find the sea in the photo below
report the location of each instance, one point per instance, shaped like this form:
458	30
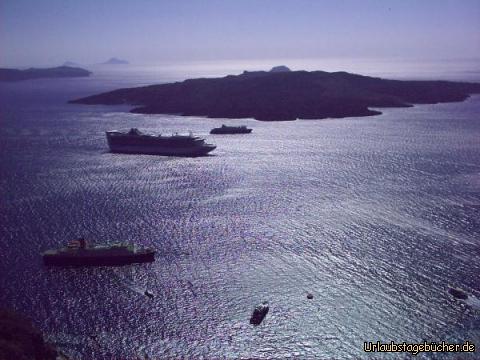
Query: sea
376	217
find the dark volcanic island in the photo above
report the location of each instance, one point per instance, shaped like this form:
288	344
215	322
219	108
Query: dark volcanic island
283	95
37	73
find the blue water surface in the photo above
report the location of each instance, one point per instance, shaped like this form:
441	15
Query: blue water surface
376	217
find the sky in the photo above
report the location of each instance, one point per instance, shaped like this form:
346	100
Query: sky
50	32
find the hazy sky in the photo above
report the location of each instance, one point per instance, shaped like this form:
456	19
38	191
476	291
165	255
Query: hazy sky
49	32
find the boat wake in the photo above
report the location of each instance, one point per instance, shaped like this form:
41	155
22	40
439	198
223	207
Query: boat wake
131	285
473	302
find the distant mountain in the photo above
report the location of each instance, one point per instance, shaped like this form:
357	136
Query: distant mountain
115	61
34	73
283	95
281	68
70	64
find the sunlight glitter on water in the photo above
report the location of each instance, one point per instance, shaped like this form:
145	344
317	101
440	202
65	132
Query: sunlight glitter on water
373	216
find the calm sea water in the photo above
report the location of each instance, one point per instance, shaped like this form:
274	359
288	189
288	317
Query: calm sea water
374	216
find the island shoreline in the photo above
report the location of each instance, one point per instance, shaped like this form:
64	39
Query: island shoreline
283	96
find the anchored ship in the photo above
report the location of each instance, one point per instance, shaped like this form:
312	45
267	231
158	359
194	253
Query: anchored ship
78	253
259	313
224	129
136	142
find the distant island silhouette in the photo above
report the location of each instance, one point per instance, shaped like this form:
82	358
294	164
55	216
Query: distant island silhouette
70	64
115	61
283	95
38	73
280	68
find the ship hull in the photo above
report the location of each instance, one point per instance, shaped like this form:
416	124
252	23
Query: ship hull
154	150
56	260
220	131
135	142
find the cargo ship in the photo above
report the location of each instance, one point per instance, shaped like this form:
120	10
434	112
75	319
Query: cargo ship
136	142
79	253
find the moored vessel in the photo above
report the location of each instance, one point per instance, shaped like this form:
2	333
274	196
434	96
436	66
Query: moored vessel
78	253
136	142
224	129
458	293
259	313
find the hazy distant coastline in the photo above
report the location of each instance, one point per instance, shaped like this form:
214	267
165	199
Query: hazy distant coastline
115	61
38	73
283	95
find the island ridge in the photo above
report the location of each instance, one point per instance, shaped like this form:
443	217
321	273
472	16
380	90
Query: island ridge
284	95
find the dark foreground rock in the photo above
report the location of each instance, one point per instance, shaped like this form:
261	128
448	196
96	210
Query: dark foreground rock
283	95
20	340
34	73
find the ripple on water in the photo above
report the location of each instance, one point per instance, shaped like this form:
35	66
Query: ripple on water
369	215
